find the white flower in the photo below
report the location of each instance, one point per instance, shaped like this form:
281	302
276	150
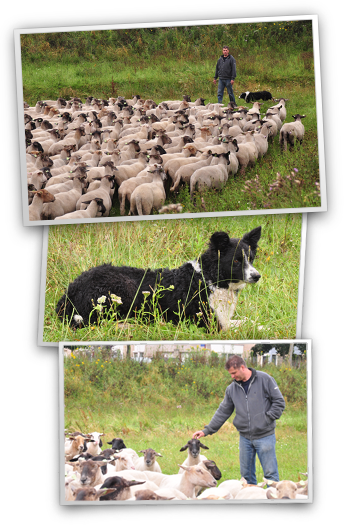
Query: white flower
146	293
115	298
101	299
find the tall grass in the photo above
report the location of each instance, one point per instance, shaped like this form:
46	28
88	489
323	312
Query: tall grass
270	306
162	403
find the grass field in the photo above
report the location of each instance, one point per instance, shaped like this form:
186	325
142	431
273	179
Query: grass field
166	63
270	306
161	404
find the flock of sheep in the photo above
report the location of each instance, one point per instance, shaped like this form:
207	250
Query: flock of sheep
119	473
78	154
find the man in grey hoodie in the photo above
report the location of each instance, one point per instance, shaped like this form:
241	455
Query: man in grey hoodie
258	402
226	72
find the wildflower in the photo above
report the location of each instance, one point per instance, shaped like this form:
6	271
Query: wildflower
101	300
146	293
171	287
179	406
115	298
296	170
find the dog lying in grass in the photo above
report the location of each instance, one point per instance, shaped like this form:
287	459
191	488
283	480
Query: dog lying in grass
196	290
250	96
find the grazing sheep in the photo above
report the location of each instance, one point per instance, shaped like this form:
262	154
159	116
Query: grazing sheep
150	195
292	131
36	207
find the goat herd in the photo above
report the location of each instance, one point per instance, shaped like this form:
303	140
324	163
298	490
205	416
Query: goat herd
119	473
77	153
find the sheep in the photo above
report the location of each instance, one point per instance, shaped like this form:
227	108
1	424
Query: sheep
285	489
127	187
68	141
280	106
213	176
103	192
89	493
36	207
183	174
126	172
66	201
148	461
94	446
251	492
150	195
291	131
147	495
117	443
94	208
227	489
193	476
90	472
193	446
74	445
123	488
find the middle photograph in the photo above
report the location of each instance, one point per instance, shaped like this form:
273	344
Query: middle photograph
205	278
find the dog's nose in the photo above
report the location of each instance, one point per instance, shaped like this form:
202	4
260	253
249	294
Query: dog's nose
256	277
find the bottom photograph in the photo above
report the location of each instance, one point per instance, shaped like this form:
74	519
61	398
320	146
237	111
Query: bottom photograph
185	422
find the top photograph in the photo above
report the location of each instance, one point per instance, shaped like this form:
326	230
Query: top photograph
170	120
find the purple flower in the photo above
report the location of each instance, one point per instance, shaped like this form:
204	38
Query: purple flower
295	169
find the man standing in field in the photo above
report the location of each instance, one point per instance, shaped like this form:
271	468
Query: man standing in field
258	402
226	73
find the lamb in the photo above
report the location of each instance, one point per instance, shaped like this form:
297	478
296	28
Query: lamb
193	446
66	201
123	488
89	493
148	461
192	477
150	195
292	131
213	176
95	208
36	207
94	445
227	489
285	489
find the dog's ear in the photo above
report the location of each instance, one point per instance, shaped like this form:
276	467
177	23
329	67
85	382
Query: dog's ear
252	237
220	241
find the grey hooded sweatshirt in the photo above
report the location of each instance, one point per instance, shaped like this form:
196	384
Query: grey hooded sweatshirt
256	412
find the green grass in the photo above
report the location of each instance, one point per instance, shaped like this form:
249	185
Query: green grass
270	305
166	63
161	404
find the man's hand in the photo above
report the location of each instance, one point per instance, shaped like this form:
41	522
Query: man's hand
215	80
198	434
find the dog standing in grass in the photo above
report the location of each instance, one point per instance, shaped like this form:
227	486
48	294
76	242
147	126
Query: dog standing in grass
196	290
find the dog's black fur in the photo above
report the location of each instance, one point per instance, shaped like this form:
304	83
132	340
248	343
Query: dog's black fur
256	95
184	292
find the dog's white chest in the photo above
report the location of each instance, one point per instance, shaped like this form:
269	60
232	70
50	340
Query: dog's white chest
223	302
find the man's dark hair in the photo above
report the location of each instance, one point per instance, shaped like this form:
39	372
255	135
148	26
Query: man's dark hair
225	47
234	362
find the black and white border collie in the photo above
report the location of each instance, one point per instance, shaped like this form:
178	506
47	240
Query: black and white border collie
208	284
248	96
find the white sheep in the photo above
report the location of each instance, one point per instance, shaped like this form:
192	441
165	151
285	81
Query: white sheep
36	207
148	461
192	477
66	201
95	208
213	176
194	457
183	174
150	195
103	192
292	131
123	173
